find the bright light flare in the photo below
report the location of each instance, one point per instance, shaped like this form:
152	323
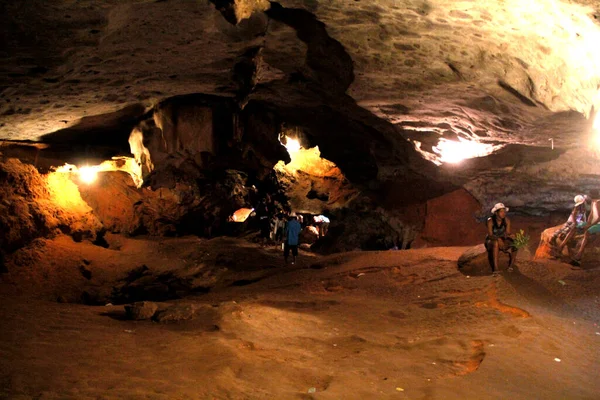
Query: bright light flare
88	174
292	145
453	152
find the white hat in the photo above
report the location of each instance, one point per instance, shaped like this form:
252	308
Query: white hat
293	214
579	199
499	206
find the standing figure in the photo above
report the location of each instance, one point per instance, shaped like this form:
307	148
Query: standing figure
498	238
262	212
291	237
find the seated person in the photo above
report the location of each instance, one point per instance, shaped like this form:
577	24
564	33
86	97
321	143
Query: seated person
575	224
591	227
498	238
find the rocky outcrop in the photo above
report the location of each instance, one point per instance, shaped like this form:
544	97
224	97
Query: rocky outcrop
545	249
141	310
34	205
363	226
209	132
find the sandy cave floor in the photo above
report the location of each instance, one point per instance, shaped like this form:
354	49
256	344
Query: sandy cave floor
359	325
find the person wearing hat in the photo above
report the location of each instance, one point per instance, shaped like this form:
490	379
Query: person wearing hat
576	222
291	238
592	227
498	238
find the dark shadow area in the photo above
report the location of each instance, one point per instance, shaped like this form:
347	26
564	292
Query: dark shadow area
105	130
524	99
118	315
246	282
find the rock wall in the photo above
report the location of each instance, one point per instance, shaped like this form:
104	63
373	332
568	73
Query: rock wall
34	205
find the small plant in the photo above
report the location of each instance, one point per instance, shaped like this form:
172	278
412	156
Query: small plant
521	240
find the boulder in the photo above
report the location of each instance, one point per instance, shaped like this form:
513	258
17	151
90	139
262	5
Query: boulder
544	250
309	235
33	205
141	310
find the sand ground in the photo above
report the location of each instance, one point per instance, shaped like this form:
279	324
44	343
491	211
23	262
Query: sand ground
361	325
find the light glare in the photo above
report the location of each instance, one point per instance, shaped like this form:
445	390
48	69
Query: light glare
88	174
453	152
292	145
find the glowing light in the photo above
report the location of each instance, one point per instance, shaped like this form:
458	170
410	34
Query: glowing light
88	174
292	145
451	151
241	215
64	193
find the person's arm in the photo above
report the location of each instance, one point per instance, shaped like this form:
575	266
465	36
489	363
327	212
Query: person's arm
572	216
507	234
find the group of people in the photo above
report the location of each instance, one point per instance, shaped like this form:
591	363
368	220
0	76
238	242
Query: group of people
580	222
285	227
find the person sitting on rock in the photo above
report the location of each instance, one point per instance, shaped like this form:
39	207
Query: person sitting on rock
575	224
291	238
322	223
498	238
591	227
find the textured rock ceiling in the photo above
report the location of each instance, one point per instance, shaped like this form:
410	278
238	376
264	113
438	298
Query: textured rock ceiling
501	71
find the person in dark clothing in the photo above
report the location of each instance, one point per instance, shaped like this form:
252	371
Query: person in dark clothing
264	220
498	238
292	238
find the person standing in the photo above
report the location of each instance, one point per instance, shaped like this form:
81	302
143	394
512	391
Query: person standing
498	238
291	238
262	212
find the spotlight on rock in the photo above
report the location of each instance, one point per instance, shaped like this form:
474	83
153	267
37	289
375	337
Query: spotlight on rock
453	152
88	174
292	145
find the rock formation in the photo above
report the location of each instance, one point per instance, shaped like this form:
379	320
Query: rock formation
391	93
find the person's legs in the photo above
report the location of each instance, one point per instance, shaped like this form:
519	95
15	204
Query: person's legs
294	253
584	241
512	257
496	253
489	246
560	244
286	251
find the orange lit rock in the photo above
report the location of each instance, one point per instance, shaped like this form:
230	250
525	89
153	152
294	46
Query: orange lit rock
34	205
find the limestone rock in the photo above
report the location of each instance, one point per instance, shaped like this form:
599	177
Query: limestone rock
544	250
141	310
176	313
34	205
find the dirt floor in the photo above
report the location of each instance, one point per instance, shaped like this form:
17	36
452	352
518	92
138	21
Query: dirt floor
361	325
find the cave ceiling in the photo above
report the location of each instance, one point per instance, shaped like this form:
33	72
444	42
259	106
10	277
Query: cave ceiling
402	73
